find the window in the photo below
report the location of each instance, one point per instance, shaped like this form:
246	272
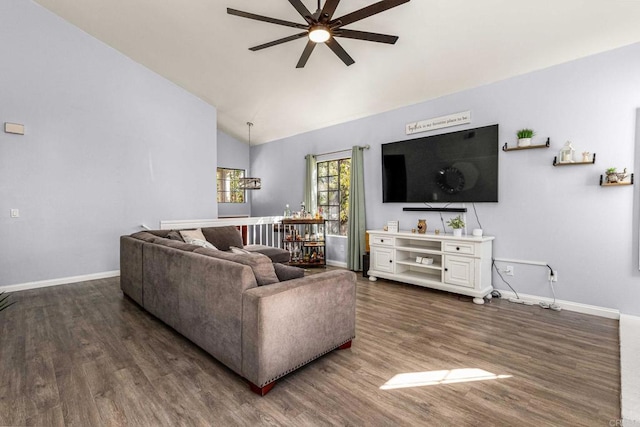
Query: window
229	190
334	177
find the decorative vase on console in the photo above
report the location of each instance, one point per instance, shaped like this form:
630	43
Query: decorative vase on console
422	226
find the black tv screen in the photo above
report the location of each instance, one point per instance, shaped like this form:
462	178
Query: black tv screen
452	167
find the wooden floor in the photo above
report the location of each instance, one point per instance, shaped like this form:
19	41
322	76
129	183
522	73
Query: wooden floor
84	355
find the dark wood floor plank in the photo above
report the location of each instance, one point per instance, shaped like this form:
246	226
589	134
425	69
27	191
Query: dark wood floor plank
78	406
83	354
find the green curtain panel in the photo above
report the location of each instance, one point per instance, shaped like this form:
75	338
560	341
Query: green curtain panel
357	219
310	184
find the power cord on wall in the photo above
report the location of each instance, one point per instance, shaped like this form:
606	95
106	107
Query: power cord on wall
476	213
517	299
553	305
444	228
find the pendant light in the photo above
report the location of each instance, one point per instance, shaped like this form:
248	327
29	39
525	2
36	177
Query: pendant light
249	183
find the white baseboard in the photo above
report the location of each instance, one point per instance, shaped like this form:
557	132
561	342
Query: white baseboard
608	313
61	281
336	263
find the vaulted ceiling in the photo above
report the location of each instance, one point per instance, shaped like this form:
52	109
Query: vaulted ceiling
444	46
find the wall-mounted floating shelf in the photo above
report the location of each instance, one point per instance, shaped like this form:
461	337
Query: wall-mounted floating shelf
528	147
556	163
615	184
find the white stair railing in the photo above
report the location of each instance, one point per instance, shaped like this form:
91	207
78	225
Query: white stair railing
265	230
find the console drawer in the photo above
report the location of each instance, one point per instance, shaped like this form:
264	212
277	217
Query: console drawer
459	248
382	241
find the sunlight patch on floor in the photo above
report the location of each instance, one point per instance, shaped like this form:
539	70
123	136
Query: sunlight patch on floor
449	376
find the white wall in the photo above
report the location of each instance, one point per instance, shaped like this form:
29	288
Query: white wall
109	145
559	215
233	154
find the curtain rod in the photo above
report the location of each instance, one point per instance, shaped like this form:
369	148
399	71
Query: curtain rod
363	147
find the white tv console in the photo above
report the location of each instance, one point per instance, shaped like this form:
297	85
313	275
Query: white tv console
460	265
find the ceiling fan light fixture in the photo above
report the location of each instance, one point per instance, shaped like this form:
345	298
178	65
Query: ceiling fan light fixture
319	34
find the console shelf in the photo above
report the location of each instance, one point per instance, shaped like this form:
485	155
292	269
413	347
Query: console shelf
419	265
528	147
460	265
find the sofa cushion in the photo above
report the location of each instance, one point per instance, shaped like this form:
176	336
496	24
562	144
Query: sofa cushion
276	254
238	250
145	236
223	237
287	272
177	244
195	237
261	265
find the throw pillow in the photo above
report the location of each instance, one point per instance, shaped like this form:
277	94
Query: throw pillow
175	235
195	237
203	243
262	268
287	272
261	265
223	237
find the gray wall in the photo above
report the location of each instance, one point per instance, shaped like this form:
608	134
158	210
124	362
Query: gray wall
233	154
556	215
109	145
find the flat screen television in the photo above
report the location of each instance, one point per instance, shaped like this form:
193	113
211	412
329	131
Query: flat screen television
451	167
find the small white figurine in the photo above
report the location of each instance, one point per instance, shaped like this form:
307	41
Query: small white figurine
586	157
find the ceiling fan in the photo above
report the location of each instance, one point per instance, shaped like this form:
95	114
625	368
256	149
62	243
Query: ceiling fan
320	27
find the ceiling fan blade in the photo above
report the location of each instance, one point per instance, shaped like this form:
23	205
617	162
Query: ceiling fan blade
364	35
302	10
328	10
338	50
280	41
306	53
265	19
368	11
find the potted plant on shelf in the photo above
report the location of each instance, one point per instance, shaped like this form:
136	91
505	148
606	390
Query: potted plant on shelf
457	224
613	176
524	137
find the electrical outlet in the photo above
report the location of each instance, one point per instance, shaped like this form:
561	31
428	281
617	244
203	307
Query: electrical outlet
15	213
554	277
508	270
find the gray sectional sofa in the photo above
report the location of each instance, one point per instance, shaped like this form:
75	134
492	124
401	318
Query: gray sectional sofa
261	319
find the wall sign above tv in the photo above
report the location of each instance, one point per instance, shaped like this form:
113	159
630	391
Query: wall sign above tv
451	167
438	123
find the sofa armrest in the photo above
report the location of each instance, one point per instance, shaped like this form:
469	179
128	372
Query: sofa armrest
131	267
288	324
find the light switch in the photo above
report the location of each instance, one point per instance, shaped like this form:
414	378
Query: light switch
16	128
15	213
